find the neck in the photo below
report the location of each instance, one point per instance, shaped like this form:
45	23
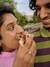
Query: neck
47	29
6	49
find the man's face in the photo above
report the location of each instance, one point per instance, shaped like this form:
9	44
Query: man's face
43	12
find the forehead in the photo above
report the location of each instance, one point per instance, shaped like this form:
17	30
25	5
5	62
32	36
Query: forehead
42	2
9	18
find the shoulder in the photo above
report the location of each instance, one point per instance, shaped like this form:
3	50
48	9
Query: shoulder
36	32
37	35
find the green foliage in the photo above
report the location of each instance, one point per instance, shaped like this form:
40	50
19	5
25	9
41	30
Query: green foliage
36	19
22	19
9	2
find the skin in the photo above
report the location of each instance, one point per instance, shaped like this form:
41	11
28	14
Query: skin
23	58
43	12
10	31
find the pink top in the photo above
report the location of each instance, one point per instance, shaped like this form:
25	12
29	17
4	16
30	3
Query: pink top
7	58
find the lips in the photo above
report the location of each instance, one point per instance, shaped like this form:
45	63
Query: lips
46	22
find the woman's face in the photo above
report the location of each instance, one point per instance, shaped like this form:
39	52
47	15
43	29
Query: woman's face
10	31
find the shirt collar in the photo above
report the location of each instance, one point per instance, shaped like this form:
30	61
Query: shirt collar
44	32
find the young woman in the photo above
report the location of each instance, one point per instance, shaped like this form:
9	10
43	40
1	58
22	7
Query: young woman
12	54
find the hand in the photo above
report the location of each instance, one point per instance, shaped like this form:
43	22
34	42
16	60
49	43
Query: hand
26	54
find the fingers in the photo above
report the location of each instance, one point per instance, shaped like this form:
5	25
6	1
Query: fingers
27	53
28	42
27	58
33	49
31	63
31	54
25	32
29	46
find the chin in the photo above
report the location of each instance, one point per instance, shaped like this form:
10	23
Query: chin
46	26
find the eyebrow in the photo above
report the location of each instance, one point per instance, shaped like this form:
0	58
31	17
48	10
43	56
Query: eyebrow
47	3
9	24
12	23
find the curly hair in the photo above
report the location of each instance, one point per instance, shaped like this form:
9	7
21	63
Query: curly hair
32	4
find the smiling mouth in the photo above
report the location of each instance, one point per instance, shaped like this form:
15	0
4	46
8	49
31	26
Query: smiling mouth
46	22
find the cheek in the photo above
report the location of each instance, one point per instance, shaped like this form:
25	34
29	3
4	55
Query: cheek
10	37
10	41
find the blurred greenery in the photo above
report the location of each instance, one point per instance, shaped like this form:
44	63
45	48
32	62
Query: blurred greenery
35	19
9	2
22	19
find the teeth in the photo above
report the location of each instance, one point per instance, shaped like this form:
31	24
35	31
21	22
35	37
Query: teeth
46	20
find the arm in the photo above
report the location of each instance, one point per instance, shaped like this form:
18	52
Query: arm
26	54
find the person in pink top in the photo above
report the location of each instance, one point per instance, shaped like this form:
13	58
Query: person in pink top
12	54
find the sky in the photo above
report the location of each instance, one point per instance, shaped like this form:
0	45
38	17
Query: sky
23	7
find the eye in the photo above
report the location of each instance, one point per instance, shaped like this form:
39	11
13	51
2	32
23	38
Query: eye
48	6
11	28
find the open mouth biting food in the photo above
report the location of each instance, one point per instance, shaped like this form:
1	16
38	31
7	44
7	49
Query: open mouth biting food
22	39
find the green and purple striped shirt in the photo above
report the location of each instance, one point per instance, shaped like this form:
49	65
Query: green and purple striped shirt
42	38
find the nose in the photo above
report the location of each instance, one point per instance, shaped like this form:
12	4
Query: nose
19	29
43	13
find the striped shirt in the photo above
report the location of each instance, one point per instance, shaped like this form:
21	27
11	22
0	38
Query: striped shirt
42	38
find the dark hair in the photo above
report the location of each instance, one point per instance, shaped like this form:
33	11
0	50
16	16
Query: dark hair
4	9
32	4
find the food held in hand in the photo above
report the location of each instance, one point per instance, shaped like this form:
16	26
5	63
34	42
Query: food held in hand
22	39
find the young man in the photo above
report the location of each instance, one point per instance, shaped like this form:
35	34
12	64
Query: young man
42	36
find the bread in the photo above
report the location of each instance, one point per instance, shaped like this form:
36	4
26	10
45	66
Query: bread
22	39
